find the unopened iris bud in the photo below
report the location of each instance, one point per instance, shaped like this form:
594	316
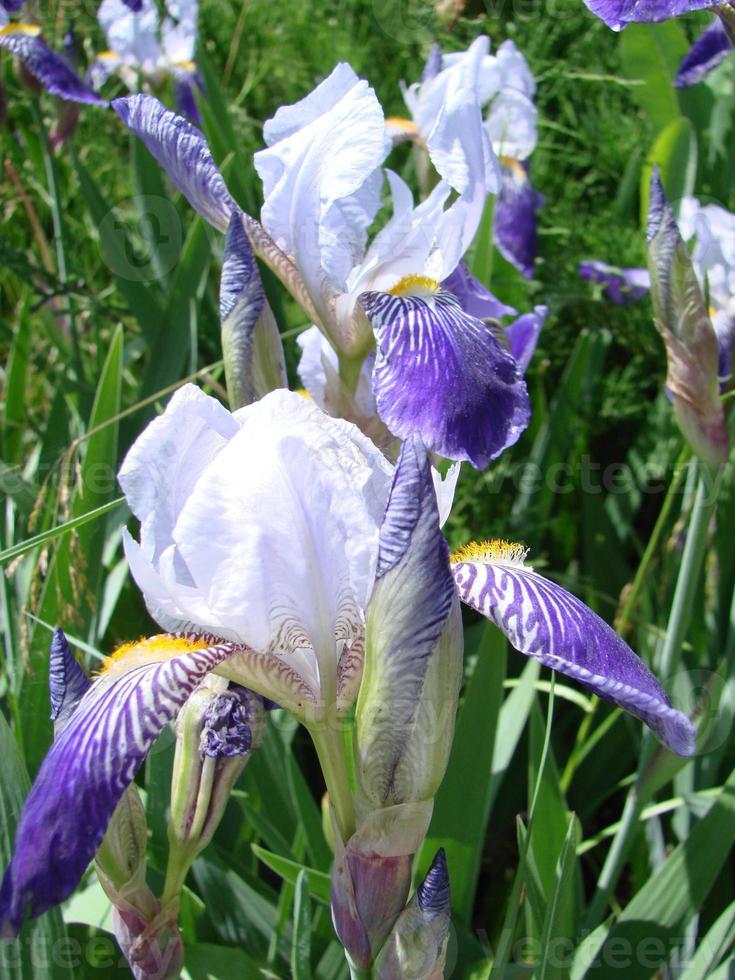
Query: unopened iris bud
682	320
217	731
405	713
416	948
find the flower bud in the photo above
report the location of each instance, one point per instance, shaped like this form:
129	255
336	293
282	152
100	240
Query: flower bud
416	948
682	320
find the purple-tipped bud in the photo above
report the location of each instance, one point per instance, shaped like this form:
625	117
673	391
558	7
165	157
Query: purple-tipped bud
417	945
66	680
681	318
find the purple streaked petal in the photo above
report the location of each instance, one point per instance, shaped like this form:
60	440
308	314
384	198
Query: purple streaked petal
618	13
66	680
514	226
724	323
544	621
621	285
228	723
182	151
442	374
711	47
251	343
474	298
85	773
44	64
523	335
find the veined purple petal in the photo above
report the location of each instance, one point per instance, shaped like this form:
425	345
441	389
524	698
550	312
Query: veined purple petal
618	13
185	84
621	285
44	64
85	773
442	373
66	680
228	721
711	47
182	151
544	621
514	226
474	298
523	335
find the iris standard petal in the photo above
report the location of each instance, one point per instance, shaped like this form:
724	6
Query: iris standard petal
514	226
618	13
442	373
66	680
544	621
511	125
23	41
182	151
132	32
710	48
474	298
88	767
621	286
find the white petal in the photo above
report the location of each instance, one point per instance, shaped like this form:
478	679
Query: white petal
511	125
179	30
444	487
134	37
514	69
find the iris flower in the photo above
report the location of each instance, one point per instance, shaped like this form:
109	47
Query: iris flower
140	43
49	68
504	83
619	13
438	371
711	48
260	535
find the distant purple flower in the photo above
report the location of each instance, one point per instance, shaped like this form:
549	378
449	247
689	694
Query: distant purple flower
11	6
707	52
621	285
515	218
618	13
49	68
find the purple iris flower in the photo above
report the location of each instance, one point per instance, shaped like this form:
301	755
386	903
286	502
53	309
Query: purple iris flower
707	52
515	218
618	13
621	286
49	68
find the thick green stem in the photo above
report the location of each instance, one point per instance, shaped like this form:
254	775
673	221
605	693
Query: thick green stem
686	588
349	371
330	748
357	974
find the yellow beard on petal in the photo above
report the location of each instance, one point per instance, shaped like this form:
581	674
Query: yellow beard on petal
491	551
414	285
150	649
32	30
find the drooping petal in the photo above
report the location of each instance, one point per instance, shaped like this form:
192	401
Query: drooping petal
186	83
621	285
544	621
251	343
443	374
473	297
711	47
681	318
618	13
523	335
23	41
404	720
67	681
514	226
183	153
88	767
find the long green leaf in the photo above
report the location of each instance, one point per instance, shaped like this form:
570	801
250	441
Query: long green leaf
301	946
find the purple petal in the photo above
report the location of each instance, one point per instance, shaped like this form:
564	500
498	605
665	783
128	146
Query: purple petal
710	48
621	285
85	773
432	895
228	723
44	64
66	680
443	374
523	335
473	297
433	64
182	151
618	13
724	323
514	227
12	6
185	84
548	623
135	5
